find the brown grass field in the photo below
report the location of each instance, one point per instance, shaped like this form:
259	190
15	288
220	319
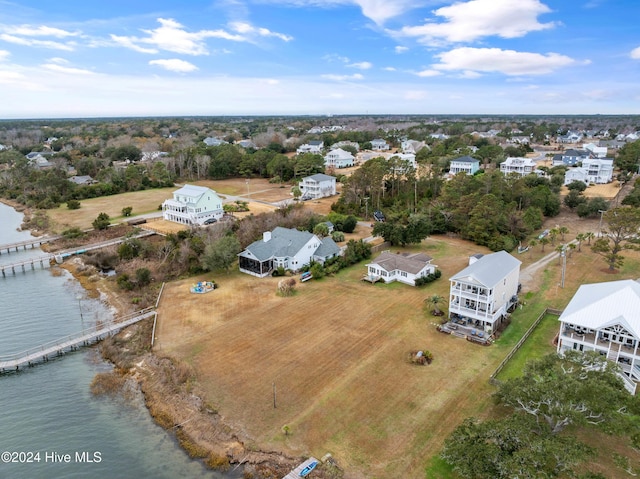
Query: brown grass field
337	352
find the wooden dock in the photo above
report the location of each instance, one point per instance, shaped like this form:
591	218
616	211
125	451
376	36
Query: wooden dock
43	352
33	242
45	261
295	474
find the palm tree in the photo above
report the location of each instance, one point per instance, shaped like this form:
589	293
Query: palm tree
434	301
553	234
563	230
532	244
580	237
559	249
588	236
544	241
571	247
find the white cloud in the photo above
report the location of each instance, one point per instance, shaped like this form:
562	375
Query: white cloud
69	46
361	65
355	76
54	67
39	31
389	69
59	61
635	53
415	95
475	19
401	49
175	65
508	62
429	73
248	29
4	54
171	36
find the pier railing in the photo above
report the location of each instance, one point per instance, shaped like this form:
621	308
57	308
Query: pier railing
42	352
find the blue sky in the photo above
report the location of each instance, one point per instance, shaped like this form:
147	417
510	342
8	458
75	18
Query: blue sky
244	57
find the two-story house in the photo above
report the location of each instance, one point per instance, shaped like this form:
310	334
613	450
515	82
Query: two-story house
285	248
318	186
338	158
314	146
521	166
605	317
464	164
570	157
193	205
593	170
485	291
379	145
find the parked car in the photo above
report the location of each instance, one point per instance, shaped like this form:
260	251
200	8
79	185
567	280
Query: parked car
543	234
378	216
210	221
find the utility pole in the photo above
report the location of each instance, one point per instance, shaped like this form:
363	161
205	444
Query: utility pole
366	207
600	229
563	254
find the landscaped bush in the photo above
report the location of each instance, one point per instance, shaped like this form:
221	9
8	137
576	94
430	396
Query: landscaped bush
73	204
428	278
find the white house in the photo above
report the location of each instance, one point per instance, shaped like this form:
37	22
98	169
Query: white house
211	141
413	146
521	166
192	205
314	146
379	145
593	170
464	164
318	186
403	267
287	248
338	158
605	317
595	150
483	292
404	162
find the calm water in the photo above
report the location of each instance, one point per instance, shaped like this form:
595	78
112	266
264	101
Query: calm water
49	408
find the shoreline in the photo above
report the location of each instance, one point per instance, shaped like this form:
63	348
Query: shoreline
172	396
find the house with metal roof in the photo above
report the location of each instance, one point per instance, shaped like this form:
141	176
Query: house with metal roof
464	164
285	248
605	317
484	292
318	186
338	158
192	205
521	166
379	145
403	267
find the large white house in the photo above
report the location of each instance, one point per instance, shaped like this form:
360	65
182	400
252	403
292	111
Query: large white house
521	166
593	170
318	186
403	267
285	248
379	145
338	158
464	164
605	317
192	205
485	291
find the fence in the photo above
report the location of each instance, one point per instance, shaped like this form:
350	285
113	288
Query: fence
380	247
557	312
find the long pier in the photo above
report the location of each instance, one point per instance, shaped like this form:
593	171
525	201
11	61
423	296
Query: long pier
46	260
33	242
58	347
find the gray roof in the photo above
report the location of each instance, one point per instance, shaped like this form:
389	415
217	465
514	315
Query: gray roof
315	142
284	243
599	305
466	159
488	270
411	263
320	177
327	248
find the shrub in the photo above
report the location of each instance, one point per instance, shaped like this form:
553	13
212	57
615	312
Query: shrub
73	233
428	278
279	271
337	236
102	222
124	282
73	204
317	271
126	211
143	276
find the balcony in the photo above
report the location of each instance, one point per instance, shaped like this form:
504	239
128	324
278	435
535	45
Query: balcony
468	293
